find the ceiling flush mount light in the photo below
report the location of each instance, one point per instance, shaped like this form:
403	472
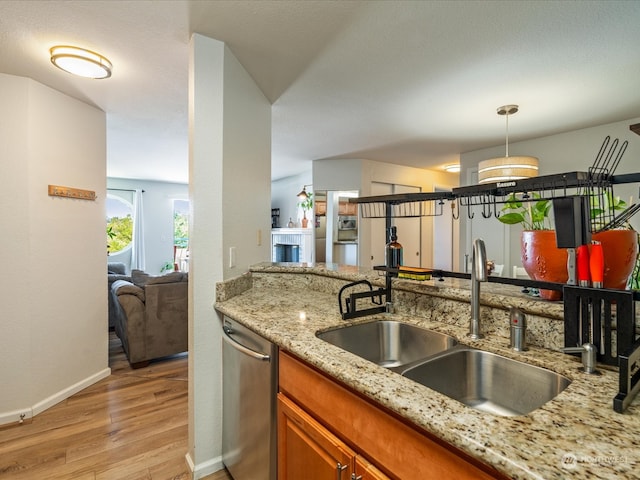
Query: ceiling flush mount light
79	61
455	168
506	168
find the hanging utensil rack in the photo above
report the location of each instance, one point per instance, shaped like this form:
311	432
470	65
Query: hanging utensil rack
597	184
489	196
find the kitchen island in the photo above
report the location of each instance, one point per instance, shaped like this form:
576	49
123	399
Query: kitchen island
576	435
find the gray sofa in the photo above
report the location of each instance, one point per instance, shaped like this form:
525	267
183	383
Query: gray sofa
115	271
151	315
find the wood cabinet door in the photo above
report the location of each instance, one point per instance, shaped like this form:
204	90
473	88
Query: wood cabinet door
348	208
365	470
307	450
392	444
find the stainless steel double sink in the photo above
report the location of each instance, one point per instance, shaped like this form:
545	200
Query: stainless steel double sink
479	379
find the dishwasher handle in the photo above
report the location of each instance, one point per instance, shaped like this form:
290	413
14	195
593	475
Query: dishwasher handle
238	346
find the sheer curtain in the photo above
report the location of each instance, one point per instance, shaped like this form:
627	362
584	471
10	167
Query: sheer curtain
137	247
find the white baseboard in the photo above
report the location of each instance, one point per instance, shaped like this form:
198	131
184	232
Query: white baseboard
67	392
205	468
15	416
28	412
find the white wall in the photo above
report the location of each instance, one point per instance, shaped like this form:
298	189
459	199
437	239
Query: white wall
284	193
225	108
338	175
54	313
358	174
157	207
565	152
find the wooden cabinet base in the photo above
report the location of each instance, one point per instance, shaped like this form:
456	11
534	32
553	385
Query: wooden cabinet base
308	450
398	449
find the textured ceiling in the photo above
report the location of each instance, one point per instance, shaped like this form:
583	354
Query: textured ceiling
410	82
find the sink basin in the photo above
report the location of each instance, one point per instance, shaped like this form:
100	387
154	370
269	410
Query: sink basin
389	343
489	382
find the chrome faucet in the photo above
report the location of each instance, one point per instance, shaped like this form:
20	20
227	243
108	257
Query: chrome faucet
478	274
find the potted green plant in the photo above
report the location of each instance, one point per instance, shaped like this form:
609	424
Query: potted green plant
306	204
541	258
167	267
603	207
533	215
620	243
110	236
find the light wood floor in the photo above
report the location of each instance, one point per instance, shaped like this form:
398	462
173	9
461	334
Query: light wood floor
131	425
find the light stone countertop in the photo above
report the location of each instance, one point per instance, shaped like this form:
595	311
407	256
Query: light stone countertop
289	303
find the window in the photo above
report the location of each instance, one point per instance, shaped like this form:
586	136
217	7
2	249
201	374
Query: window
181	234
119	224
181	223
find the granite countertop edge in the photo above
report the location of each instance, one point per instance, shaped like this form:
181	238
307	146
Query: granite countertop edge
578	424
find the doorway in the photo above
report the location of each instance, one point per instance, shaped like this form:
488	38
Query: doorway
409	229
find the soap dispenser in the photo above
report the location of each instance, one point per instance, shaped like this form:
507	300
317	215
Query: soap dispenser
393	250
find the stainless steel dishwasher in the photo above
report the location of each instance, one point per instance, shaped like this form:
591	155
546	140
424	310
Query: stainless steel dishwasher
249	377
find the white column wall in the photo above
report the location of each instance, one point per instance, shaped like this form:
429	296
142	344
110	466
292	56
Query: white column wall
247	169
229	155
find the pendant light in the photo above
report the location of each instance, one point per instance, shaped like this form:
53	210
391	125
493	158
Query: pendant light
303	195
507	168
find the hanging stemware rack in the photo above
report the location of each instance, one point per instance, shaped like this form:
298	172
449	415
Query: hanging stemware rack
490	196
596	183
403	205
